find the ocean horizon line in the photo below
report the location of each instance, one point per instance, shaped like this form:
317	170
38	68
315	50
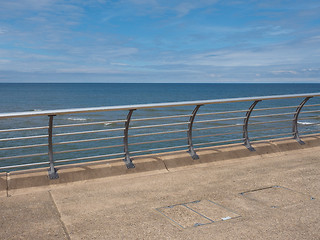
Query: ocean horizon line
239	83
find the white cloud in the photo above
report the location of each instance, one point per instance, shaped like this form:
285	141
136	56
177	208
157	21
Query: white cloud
2	61
119	64
89	70
278	72
61	37
3	31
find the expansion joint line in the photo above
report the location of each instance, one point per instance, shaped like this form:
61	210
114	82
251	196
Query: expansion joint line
60	219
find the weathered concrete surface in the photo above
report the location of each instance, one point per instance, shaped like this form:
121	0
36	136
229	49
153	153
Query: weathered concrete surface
3	184
39	177
159	162
280	200
30	216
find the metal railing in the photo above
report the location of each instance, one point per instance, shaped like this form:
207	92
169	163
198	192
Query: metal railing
103	133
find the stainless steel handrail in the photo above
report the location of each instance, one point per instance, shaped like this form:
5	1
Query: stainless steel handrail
154	105
137	133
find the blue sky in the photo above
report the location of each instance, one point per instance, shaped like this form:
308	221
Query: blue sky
159	41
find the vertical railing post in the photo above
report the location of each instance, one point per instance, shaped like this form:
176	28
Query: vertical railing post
246	141
191	120
127	159
52	171
295	121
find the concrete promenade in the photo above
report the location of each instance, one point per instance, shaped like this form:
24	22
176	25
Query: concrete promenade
230	193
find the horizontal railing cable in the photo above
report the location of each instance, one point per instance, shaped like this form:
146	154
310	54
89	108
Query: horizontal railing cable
90	157
22	129
278	121
88	140
23	146
268	139
23	138
87	149
24	156
88	132
272	135
159	125
311	105
105	123
24	165
316	111
274	108
157	133
219	127
217	134
219	142
219	113
306	118
273	115
159	118
314	131
158	149
219	120
157	141
268	129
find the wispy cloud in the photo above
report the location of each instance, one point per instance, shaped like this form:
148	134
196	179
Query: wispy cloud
153	40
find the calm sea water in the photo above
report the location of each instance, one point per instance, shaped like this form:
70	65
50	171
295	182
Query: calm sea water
37	97
25	97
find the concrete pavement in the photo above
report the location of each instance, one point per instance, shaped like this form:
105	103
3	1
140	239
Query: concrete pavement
274	195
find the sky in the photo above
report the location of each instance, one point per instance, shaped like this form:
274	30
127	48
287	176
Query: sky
200	41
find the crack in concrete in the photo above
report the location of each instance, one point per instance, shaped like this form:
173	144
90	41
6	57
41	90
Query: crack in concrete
60	219
7	183
158	158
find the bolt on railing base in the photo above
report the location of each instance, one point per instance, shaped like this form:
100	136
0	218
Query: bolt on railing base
53	173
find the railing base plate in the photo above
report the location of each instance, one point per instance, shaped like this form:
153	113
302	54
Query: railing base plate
193	154
249	147
300	142
53	174
130	165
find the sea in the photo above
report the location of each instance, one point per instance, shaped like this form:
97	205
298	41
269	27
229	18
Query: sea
20	97
17	97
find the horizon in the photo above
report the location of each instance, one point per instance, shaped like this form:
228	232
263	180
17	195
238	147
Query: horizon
153	41
226	83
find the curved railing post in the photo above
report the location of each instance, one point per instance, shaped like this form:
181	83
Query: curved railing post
246	141
191	120
295	121
127	158
52	171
